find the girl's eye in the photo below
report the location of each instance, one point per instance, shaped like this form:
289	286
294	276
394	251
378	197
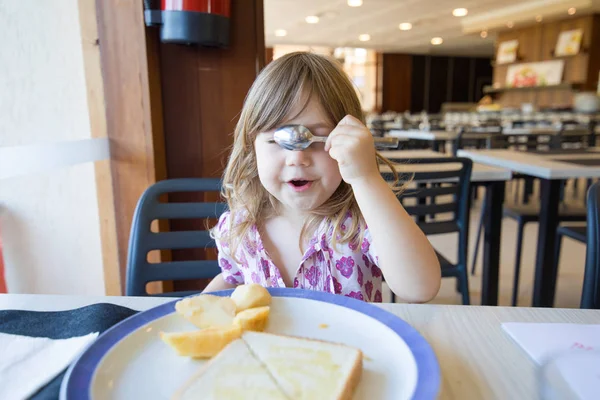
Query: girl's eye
270	141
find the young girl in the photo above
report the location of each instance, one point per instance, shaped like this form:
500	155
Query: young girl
322	218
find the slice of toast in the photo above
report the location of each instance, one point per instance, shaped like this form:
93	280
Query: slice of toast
308	369
274	367
233	374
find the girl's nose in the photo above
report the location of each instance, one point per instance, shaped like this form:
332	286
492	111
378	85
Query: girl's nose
295	158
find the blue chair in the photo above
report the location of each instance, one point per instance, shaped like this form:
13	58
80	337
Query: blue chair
142	240
450	177
590	297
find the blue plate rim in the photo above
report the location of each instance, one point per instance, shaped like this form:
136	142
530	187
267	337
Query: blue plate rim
78	378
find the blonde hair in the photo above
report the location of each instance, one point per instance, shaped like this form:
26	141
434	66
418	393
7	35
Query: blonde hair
277	89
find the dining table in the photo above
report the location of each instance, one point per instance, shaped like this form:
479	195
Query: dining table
477	358
440	139
437	138
552	168
493	179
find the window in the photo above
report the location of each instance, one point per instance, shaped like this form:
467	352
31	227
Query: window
360	65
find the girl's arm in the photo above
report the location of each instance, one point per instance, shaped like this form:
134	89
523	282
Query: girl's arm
406	258
226	262
218	283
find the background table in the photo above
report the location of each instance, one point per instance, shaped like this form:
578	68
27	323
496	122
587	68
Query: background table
551	168
477	359
437	138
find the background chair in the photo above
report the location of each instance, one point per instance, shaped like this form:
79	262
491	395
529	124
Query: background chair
590	297
575	232
440	203
142	240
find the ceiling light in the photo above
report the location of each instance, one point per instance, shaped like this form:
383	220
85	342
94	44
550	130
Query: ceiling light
571	10
483	34
510	24
365	37
460	12
280	32
539	18
355	3
437	41
312	19
405	26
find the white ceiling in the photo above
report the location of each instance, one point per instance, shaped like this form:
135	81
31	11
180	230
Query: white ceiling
340	25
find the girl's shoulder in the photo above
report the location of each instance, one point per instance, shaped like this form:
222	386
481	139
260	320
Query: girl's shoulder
223	224
227	220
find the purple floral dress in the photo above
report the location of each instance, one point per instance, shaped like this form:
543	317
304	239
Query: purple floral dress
349	270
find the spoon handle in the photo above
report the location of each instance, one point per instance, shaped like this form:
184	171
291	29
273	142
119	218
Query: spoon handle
386	142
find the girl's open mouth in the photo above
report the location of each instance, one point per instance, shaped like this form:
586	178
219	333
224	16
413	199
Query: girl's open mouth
300	185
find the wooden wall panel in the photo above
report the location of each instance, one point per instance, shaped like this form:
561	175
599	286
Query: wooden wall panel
537	43
418	84
136	153
460	80
268	55
482	76
529	48
555	98
104	183
396	82
171	109
438	83
594	55
378	83
442	79
575	66
203	90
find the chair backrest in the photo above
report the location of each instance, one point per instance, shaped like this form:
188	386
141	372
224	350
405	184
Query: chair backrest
590	297
377	128
592	129
442	187
142	240
499	141
570	133
476	138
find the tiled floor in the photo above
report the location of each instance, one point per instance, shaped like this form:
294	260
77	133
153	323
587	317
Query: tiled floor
571	266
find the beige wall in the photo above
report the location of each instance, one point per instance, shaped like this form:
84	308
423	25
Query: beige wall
48	220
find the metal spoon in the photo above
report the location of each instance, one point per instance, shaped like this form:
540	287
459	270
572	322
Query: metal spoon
299	137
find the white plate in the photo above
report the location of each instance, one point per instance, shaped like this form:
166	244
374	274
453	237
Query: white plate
129	361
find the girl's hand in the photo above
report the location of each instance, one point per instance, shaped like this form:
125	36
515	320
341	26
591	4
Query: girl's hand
352	146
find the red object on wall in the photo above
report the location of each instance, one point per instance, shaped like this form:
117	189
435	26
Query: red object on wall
190	22
220	7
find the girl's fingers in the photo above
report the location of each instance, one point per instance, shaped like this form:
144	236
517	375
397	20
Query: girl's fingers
338	154
343	129
342	140
338	130
350	120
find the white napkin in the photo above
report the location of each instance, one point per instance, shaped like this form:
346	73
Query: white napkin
543	340
568	354
29	363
